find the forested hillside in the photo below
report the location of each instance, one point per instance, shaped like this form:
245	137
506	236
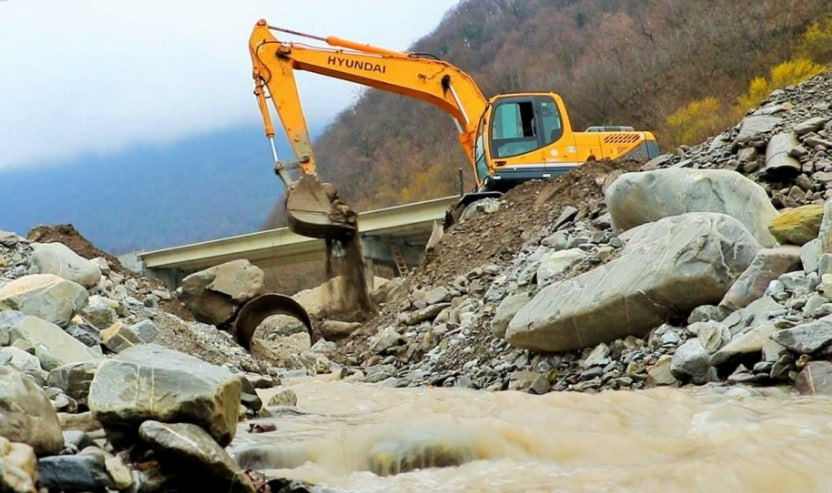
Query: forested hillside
680	68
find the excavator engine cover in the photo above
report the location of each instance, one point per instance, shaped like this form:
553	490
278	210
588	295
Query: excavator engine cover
252	314
314	209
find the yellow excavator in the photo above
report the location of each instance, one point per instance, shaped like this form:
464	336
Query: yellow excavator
508	139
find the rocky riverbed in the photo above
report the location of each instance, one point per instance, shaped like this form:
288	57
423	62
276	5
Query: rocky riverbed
706	269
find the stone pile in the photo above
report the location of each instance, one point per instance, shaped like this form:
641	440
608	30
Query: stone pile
102	390
708	265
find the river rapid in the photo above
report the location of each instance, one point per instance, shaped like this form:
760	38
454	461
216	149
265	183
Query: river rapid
705	439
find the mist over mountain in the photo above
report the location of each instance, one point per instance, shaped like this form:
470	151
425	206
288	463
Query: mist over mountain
151	197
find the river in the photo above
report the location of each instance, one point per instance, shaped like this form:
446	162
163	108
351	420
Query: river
658	440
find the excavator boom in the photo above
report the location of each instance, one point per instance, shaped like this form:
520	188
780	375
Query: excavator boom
314	209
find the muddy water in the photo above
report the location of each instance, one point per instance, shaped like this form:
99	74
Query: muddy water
660	440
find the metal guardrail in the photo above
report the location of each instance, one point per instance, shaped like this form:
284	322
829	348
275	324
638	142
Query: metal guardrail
280	246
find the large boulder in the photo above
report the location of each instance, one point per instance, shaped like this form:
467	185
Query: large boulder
213	295
53	346
642	197
58	259
18	467
666	268
45	296
768	265
26	415
74	379
507	309
806	338
779	161
195	456
797	226
153	382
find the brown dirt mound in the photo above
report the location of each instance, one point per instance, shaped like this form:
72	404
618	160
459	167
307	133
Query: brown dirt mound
526	216
69	236
529	208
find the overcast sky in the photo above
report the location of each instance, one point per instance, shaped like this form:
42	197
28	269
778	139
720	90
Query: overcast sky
96	76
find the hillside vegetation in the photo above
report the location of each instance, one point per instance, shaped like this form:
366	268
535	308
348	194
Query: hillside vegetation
682	69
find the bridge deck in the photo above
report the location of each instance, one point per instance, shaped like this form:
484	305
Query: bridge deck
281	246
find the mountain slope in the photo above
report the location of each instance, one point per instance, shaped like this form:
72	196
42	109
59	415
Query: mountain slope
201	188
618	62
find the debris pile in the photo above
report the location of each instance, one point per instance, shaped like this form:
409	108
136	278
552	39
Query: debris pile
707	265
102	389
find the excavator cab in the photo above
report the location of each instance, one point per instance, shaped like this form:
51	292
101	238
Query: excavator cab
523	136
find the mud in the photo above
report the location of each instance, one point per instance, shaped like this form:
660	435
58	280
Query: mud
349	294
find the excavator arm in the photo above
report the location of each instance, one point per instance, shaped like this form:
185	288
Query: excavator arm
314	209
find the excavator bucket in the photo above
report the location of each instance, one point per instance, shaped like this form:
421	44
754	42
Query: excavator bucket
314	209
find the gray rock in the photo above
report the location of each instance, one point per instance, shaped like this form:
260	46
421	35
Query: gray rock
779	162
20	360
600	356
285	397
815	379
506	311
335	329
757	313
26	414
825	233
754	127
712	335
74	379
810	255
810	125
45	296
566	215
751	342
814	306
806	338
212	295
422	315
385	340
690	363
58	259
152	382
50	340
643	197
73	473
87	334
146	330
99	312
76	440
440	294
199	460
667	267
704	313
660	373
119	337
18	467
556	241
555	264
768	265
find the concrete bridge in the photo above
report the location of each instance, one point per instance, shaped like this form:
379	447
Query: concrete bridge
389	237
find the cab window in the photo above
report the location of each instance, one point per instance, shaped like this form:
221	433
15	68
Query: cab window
513	129
552	124
479	157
